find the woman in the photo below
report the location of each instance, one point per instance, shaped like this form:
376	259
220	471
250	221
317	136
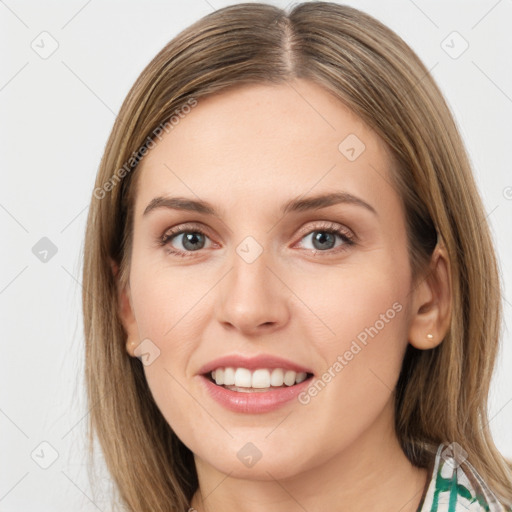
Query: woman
291	299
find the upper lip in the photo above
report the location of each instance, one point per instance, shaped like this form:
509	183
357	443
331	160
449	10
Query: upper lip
252	363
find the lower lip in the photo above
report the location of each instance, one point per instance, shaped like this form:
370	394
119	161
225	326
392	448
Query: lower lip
255	402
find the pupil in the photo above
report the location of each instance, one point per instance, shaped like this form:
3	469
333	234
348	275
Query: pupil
191	238
321	237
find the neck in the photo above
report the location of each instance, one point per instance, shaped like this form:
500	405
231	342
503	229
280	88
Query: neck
372	473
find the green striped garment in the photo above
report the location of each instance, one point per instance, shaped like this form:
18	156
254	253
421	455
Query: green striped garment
456	486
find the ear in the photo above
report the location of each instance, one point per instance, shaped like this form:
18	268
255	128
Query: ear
431	313
125	311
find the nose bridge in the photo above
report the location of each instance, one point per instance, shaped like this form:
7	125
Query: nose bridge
250	266
251	294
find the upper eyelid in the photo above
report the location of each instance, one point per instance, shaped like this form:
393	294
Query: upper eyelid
327	224
184	227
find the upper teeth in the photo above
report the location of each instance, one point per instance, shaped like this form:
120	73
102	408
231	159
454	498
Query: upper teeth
260	378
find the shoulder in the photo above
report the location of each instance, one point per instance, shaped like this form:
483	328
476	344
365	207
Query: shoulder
456	486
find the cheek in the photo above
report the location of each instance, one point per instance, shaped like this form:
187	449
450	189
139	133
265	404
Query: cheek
169	312
365	299
359	331
166	301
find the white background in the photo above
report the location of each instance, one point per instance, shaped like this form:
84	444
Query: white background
56	115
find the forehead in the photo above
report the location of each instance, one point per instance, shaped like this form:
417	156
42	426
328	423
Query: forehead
263	144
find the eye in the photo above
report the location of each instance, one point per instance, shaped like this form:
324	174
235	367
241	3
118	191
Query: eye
193	238
323	238
190	237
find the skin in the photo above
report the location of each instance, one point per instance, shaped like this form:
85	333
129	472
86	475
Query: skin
248	151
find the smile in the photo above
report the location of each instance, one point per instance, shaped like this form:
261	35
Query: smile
268	390
258	380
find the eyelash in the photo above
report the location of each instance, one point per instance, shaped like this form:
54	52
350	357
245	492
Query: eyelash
326	227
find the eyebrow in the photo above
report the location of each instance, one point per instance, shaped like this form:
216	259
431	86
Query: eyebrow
295	205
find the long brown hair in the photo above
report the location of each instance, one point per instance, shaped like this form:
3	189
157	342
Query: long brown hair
442	393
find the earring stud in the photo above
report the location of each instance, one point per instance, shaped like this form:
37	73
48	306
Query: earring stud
430	336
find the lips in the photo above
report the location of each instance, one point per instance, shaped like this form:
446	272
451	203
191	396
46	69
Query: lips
253	385
253	401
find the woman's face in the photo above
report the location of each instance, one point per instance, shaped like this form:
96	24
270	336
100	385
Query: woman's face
322	285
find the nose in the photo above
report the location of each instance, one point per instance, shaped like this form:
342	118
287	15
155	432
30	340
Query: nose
253	297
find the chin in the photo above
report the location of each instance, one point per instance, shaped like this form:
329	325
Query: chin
252	461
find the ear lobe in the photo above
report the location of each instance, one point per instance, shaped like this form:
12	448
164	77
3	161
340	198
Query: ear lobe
125	311
114	267
131	345
432	303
